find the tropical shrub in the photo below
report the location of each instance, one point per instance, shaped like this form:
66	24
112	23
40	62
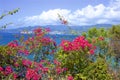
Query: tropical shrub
114	35
97	71
74	55
115	40
15	64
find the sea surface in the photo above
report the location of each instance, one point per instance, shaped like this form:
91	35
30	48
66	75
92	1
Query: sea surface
5	38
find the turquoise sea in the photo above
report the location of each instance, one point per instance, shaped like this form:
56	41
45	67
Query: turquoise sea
5	38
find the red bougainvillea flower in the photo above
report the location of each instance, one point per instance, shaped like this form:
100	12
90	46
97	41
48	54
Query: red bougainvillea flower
70	78
12	44
65	69
101	38
31	74
1	69
16	64
15	76
36	76
45	70
58	70
46	41
66	45
40	65
43	61
91	51
47	29
26	62
78	43
8	70
56	62
26	52
38	30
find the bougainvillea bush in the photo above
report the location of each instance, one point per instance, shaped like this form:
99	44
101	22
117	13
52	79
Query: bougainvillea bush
37	57
76	57
14	62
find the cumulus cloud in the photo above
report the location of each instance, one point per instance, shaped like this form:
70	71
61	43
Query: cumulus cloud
88	15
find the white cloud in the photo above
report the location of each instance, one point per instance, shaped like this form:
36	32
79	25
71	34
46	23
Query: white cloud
88	15
47	17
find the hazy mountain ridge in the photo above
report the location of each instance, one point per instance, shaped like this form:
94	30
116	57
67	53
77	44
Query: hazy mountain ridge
57	28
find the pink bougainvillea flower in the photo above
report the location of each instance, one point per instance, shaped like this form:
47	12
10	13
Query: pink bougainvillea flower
66	45
26	52
43	61
8	70
101	38
56	62
31	74
58	70
65	69
46	41
12	44
45	70
26	62
91	51
70	78
16	64
47	29
15	76
36	76
77	44
1	69
38	30
40	65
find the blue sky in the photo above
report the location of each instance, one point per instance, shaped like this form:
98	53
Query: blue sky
77	12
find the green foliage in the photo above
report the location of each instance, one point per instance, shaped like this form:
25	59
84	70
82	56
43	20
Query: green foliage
80	64
95	33
97	71
9	13
74	61
5	57
100	38
114	32
75	57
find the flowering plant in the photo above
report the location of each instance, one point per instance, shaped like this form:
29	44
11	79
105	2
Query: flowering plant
74	55
14	61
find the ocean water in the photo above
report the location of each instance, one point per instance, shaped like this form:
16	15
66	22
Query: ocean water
5	38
